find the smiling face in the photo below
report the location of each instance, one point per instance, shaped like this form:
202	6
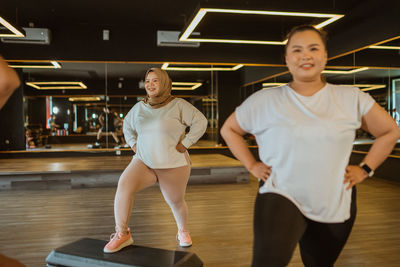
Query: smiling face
306	56
152	84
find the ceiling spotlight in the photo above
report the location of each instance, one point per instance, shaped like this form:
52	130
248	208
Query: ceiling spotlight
55	110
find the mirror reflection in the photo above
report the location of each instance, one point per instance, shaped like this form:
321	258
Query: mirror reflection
82	105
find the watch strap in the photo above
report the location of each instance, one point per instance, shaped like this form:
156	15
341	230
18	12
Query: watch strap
367	169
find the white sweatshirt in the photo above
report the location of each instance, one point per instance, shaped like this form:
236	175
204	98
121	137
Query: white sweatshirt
156	132
308	141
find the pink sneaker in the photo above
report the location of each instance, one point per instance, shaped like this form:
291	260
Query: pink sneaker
118	241
183	238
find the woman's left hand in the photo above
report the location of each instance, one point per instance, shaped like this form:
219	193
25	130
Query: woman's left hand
354	175
181	148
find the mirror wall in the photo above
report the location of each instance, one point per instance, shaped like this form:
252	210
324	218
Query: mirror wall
64	107
70	118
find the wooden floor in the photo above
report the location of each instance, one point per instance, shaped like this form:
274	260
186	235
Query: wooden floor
15	165
32	223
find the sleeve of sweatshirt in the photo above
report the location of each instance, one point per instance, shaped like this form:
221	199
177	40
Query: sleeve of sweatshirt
130	133
197	122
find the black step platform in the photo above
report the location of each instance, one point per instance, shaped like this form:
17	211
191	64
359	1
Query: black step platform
88	252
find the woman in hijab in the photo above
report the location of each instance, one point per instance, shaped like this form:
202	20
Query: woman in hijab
155	130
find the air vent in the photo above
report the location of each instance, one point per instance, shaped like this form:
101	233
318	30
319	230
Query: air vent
171	38
32	36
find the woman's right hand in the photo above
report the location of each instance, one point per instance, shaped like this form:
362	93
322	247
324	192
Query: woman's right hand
134	148
260	170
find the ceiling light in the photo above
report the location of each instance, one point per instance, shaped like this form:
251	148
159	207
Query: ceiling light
55	110
165	66
31	65
269	85
84	98
187	85
367	87
56	85
209	100
17	33
203	11
345	71
385	47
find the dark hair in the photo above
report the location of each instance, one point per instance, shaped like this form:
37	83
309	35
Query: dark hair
322	34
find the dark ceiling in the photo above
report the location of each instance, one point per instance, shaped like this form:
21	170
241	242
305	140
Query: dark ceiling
77	43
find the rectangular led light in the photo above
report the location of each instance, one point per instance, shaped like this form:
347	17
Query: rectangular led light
84	98
385	47
209	100
15	31
367	87
203	11
165	66
185	85
53	65
56	85
269	85
345	71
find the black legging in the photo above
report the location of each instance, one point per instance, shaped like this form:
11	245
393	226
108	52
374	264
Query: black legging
279	226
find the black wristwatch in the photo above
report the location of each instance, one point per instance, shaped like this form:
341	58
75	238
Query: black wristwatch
367	169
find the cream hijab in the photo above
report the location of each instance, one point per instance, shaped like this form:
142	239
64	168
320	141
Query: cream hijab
164	96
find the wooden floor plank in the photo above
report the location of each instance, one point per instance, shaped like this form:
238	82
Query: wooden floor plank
32	223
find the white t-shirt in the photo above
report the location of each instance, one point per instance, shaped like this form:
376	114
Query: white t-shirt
308	141
156	132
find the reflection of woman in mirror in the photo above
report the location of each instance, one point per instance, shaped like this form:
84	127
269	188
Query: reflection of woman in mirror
305	132
107	121
155	130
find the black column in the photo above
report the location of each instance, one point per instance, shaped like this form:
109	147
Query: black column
12	132
228	96
37	112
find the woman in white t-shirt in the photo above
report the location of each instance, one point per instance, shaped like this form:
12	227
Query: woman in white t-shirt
305	132
155	129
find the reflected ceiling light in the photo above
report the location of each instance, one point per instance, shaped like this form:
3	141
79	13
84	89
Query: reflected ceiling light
187	85
84	98
270	85
165	66
15	31
55	110
56	85
209	100
367	87
203	11
385	47
345	71
54	65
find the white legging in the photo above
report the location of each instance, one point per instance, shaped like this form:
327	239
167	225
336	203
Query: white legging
137	176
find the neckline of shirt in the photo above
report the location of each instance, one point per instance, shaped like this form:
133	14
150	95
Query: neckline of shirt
147	105
311	97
